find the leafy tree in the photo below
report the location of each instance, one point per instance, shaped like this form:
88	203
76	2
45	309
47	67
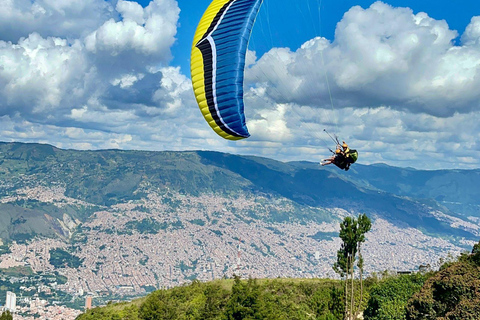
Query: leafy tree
130	313
96	313
158	306
389	297
364	225
61	258
327	304
476	253
6	316
244	302
352	233
453	293
344	254
215	301
335	305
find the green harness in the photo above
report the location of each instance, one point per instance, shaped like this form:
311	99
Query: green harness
353	154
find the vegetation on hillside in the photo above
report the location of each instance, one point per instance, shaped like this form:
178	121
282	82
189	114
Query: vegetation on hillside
60	258
234	299
389	296
453	293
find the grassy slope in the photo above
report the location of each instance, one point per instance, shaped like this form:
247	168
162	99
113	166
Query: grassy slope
281	298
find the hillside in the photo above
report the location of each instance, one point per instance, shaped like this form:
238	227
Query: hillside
234	299
105	178
119	222
450	293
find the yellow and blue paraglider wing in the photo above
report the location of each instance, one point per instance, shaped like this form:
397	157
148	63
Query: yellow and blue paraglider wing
217	63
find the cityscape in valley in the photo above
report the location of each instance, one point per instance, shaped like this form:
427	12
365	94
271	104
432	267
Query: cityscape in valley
163	236
239	160
203	238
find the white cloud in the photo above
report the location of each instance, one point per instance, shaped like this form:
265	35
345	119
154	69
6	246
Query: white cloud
94	75
131	11
381	56
175	91
471	37
127	80
39	75
55	79
270	125
57	18
106	86
149	31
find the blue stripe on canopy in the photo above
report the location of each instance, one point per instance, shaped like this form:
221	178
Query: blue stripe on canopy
223	47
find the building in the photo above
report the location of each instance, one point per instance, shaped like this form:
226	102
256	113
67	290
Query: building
11	303
88	303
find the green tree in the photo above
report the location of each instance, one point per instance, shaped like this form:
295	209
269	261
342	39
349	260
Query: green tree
389	297
327	303
6	316
158	306
364	225
335	305
215	301
96	314
352	233
244	301
476	253
343	264
453	293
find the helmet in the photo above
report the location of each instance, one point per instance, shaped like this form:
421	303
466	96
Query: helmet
338	151
344	145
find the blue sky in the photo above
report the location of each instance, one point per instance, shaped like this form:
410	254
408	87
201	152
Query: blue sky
309	18
397	79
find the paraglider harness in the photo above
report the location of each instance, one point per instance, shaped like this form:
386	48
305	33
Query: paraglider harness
343	160
352	156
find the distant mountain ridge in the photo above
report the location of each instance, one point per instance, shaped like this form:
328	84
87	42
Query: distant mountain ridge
377	188
108	177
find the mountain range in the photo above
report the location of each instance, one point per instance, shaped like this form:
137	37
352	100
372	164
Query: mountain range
109	177
116	220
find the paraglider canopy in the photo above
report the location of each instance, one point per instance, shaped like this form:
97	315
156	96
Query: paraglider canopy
218	61
217	68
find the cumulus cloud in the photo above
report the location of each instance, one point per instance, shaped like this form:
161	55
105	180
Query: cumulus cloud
383	135
51	18
148	31
471	37
397	85
39	75
380	56
65	80
91	75
393	83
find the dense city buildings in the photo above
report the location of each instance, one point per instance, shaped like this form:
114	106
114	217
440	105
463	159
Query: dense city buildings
167	239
